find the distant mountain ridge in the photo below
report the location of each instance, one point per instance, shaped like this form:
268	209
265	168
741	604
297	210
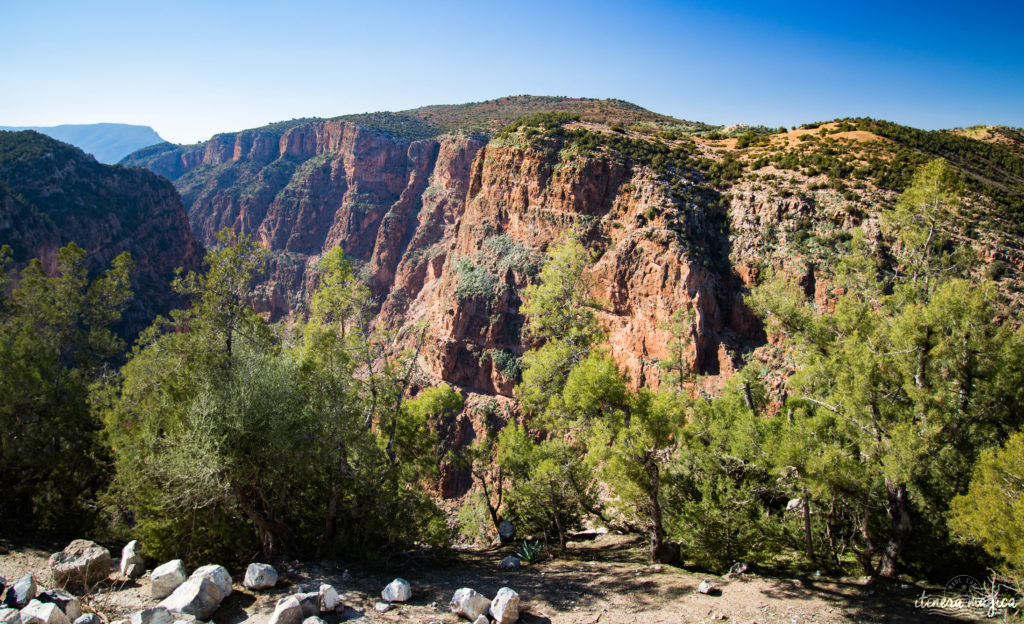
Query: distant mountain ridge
107	142
52	194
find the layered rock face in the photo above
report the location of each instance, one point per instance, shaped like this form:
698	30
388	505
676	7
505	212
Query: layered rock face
318	185
52	194
416	217
521	201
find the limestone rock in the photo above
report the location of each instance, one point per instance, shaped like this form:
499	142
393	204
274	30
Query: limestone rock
382	607
706	587
310	603
330	601
506	531
166	578
505	606
313	620
71	606
80	565
287	611
260	576
739	568
201	594
19	594
218	575
510	562
36	612
133	565
398	590
469	604
153	615
88	618
9	616
483	619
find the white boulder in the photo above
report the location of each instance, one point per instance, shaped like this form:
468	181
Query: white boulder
9	616
36	612
330	601
70	605
313	620
80	565
483	619
260	576
153	615
505	606
398	590
88	618
469	604
287	611
310	603
133	565
19	594
201	594
166	578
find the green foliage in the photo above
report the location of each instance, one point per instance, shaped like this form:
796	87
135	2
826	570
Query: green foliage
531	552
227	438
55	342
474	281
509	364
546	121
511	254
992	510
549	488
905	381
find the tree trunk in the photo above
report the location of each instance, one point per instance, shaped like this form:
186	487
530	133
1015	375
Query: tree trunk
809	543
866	556
899	512
662	551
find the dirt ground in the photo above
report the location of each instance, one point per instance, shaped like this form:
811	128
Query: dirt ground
604	581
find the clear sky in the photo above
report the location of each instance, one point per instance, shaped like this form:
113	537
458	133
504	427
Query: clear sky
191	69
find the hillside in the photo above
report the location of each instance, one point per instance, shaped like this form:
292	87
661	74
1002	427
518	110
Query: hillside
681	214
52	193
108	142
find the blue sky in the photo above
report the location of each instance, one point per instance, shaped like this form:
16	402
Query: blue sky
191	69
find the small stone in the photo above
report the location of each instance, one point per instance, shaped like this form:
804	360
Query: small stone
133	565
398	590
310	603
71	606
313	620
382	607
346	577
80	565
510	562
260	576
738	568
153	615
330	601
36	612
88	618
468	603
287	611
706	587
23	590
9	616
166	578
482	619
505	606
